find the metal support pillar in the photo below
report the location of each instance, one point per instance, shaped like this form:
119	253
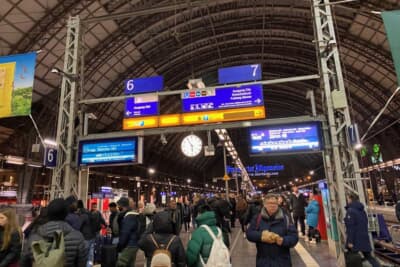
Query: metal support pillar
343	174
83	184
65	176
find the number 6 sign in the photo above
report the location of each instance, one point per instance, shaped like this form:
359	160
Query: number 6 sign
50	157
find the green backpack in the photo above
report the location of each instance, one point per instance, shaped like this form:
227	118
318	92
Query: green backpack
49	253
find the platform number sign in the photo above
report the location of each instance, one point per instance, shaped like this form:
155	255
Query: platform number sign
50	159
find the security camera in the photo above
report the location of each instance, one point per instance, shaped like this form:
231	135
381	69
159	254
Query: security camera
163	140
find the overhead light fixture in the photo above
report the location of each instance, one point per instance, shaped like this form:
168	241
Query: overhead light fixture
311	172
35	164
151	170
189	181
358	146
50	142
14	160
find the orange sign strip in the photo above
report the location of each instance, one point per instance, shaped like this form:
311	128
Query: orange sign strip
140	123
170	120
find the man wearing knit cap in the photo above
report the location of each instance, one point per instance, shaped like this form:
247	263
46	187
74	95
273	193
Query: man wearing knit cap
128	234
76	251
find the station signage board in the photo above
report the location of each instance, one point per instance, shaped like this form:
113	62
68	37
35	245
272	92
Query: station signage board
141	105
144	85
237	74
223	98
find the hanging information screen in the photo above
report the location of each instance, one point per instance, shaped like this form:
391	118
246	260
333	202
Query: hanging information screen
286	138
237	74
223	98
110	151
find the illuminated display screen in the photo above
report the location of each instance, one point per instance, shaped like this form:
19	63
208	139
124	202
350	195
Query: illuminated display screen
285	138
108	151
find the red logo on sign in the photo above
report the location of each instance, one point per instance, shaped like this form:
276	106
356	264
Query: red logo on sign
192	94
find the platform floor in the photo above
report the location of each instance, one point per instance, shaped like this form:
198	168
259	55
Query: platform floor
244	253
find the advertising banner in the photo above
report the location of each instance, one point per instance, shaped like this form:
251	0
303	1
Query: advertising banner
392	22
17	74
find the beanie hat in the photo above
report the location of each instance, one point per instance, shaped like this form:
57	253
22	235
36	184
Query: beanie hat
123	202
57	210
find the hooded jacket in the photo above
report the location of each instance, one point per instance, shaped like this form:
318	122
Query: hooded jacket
273	255
201	242
12	253
76	250
356	222
163	232
312	211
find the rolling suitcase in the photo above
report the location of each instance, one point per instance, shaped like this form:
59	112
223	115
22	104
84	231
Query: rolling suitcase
109	256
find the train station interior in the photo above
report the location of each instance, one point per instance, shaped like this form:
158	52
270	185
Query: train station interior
174	103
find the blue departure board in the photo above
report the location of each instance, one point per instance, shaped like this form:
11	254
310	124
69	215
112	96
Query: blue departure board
237	74
285	138
223	98
144	85
140	106
108	151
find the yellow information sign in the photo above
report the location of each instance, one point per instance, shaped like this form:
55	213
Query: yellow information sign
236	114
226	177
170	120
140	123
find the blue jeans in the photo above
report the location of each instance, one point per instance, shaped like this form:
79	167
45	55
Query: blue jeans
90	243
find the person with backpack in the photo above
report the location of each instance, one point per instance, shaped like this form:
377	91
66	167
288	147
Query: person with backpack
68	247
356	222
129	234
208	245
312	211
273	234
222	210
163	247
10	238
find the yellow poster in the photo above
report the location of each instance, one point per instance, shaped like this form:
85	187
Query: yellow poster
6	87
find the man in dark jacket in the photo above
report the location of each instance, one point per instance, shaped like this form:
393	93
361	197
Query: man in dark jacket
72	217
356	222
253	209
163	235
76	250
87	231
298	204
128	234
113	222
273	234
176	216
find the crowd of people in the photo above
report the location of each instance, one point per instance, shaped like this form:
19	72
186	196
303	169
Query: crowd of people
65	231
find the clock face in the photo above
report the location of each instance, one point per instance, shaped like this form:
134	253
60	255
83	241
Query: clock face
191	145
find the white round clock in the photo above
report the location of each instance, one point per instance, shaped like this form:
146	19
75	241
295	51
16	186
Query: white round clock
191	145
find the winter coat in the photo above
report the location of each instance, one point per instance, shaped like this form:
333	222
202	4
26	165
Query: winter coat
74	220
12	253
176	217
86	226
356	222
187	214
297	204
398	210
312	211
128	231
273	255
76	250
163	232
201	242
253	210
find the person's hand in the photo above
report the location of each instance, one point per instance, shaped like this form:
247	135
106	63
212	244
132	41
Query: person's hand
279	241
350	246
268	237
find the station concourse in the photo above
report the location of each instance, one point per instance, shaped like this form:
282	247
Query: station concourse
174	103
